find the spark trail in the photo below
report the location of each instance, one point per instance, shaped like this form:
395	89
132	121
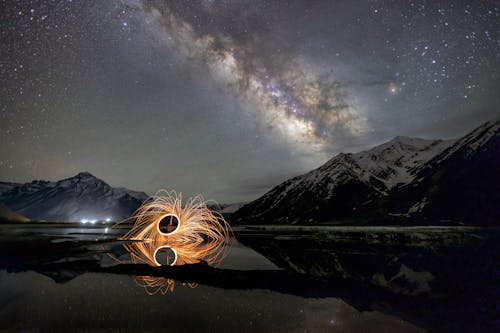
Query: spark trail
199	235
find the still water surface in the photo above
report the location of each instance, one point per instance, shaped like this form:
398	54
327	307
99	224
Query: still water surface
34	295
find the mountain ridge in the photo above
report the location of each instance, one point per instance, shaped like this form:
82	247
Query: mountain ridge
82	196
462	183
368	183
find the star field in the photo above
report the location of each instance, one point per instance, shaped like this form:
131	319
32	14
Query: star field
227	98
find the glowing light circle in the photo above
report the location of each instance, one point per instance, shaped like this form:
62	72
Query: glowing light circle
165	247
168	233
201	234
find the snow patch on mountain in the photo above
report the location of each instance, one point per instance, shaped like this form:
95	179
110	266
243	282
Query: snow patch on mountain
382	167
473	141
396	161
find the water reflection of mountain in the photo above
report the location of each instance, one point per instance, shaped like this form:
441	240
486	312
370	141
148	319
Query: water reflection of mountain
444	281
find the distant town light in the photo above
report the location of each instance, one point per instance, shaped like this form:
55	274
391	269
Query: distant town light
94	221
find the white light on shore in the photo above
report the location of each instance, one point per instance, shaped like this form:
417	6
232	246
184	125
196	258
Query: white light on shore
94	220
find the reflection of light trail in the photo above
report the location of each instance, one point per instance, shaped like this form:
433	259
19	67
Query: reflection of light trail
200	235
165	247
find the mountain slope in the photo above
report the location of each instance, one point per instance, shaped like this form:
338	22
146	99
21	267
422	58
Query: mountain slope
71	199
8	215
345	186
6	186
461	184
425	179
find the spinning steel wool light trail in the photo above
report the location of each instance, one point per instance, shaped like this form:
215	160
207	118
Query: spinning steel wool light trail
190	234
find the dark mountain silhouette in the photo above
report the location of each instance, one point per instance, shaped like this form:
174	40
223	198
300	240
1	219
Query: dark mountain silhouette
71	199
405	177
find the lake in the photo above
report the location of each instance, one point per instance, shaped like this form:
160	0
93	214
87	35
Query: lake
273	279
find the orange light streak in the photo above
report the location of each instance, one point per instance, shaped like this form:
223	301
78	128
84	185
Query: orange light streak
201	235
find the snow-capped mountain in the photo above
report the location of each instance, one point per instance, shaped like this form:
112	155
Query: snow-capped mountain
80	197
231	208
461	184
225	209
345	184
352	185
397	161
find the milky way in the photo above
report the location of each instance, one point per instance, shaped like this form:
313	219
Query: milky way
296	101
228	98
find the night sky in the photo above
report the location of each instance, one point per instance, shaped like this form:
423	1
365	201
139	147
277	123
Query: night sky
229	98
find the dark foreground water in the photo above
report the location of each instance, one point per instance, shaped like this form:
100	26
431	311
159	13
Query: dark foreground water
274	279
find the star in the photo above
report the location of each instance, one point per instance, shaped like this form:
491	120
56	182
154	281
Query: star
101	79
393	89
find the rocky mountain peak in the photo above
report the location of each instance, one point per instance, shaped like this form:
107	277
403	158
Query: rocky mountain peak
71	199
85	175
353	184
